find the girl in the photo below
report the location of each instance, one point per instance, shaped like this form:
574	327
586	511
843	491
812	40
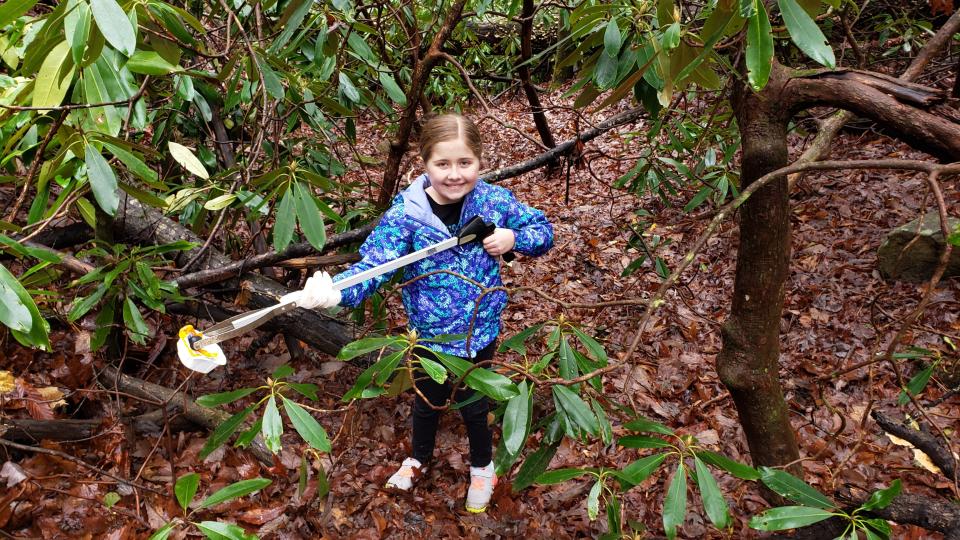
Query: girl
434	207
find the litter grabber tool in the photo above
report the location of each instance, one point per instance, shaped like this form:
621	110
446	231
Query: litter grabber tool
199	351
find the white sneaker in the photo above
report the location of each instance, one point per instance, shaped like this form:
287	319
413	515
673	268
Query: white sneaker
482	482
405	475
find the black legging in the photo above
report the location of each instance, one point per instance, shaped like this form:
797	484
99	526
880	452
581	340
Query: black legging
426	419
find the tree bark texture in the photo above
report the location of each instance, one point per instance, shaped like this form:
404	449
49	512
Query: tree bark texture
224	146
143	224
33	431
927	512
526	51
421	70
899	106
906	509
828	130
748	364
63	237
956	81
26	430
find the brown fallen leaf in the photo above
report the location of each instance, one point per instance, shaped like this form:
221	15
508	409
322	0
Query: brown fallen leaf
33	401
259	516
53	396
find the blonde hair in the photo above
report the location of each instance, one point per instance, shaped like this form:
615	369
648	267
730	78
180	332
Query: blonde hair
449	127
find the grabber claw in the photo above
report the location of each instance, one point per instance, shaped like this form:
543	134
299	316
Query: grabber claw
203	360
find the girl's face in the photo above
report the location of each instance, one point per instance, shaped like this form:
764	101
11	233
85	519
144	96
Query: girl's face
453	169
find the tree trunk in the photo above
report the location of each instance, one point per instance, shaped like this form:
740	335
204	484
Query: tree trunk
224	146
526	51
748	364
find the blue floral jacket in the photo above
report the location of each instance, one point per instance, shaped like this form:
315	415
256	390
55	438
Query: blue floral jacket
443	303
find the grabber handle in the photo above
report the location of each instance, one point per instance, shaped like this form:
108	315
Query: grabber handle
475	231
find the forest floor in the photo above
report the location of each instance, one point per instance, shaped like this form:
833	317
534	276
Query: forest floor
838	313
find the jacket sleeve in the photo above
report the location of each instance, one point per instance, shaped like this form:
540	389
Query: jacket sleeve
534	234
389	240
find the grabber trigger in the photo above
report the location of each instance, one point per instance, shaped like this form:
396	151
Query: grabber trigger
203	360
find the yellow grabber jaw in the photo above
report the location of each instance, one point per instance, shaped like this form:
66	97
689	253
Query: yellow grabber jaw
203	360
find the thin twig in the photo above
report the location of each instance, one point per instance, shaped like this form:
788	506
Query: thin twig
35	166
74	106
78	461
483	102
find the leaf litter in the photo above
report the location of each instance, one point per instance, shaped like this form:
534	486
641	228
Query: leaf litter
836	309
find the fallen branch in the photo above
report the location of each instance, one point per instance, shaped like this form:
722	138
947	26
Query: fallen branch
208	418
29	430
903	90
927	443
823	142
906	509
931	514
565	147
303	249
71	263
140	223
68	261
320	261
873	96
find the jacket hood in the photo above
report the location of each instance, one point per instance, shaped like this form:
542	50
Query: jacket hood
415	201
